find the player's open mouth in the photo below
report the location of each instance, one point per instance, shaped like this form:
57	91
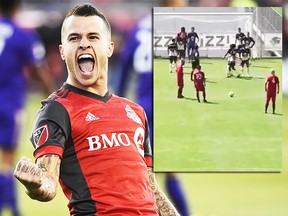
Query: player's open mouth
86	63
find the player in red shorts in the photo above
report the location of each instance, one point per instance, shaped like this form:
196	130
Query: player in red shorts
271	88
94	142
199	83
180	79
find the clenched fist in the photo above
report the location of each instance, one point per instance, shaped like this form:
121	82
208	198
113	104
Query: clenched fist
40	179
28	173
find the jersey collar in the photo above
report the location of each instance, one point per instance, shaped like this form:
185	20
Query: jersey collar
104	99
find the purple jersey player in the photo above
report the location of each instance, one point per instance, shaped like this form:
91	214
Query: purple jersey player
136	56
18	48
192	40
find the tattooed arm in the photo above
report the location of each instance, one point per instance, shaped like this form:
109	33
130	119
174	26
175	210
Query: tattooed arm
165	207
40	179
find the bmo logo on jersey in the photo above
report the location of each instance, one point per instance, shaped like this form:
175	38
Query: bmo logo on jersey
117	140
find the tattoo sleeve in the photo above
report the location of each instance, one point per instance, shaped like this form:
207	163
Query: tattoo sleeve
165	207
50	168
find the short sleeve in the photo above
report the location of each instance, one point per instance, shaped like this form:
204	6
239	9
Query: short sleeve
51	129
147	145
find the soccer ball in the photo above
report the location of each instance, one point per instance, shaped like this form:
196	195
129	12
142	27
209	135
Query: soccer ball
231	94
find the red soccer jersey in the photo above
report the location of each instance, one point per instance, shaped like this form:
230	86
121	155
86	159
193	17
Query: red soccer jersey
179	72
271	84
199	80
182	36
104	147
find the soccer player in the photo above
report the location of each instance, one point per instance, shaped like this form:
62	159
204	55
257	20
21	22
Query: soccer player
231	60
239	37
181	40
192	40
244	56
180	79
172	53
100	140
19	48
248	41
195	58
271	88
199	83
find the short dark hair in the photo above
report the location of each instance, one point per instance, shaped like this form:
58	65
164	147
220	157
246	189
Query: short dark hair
7	6
87	10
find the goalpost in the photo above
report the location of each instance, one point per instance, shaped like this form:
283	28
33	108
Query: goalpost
216	28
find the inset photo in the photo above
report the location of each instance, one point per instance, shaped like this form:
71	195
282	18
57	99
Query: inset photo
217	89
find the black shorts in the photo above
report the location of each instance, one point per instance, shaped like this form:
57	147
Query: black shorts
181	54
195	63
172	59
243	62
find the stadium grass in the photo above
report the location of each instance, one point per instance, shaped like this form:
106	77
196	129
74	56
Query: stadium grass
238	194
226	134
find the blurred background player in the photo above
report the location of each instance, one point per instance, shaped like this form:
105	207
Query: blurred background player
172	53
181	40
244	56
199	83
271	88
19	48
248	41
192	40
136	60
231	60
195	57
180	78
239	37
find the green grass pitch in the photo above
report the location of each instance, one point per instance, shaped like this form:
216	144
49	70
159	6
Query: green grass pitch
226	134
